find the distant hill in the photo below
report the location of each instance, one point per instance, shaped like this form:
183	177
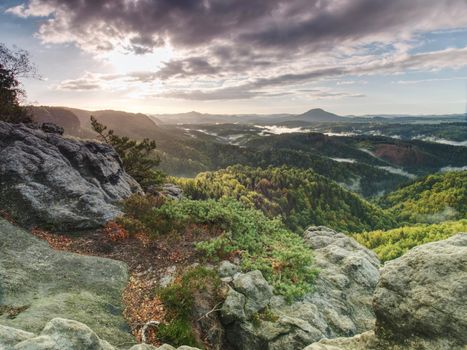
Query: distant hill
57	115
195	118
435	198
316	115
319	115
134	125
415	156
76	122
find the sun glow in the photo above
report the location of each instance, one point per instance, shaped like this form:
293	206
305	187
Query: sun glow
124	62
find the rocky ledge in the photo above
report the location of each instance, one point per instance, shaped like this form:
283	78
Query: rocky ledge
340	304
420	302
62	183
38	284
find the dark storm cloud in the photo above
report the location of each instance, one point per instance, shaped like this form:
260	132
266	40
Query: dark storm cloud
186	23
252	48
281	24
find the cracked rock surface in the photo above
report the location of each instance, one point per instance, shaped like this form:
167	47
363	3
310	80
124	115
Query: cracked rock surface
57	182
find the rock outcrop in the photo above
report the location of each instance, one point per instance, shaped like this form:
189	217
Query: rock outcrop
64	334
340	304
38	284
420	302
172	191
46	179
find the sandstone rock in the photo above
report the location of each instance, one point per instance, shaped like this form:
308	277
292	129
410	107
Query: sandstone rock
233	308
256	290
227	269
9	337
424	293
343	291
166	347
150	347
64	334
45	284
420	302
340	304
46	179
362	341
172	191
52	128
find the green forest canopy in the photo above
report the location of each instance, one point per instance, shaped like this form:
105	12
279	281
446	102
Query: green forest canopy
435	198
299	197
393	243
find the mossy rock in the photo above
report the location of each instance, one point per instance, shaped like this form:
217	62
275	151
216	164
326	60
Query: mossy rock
38	284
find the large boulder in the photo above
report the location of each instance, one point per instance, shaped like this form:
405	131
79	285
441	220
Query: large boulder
420	302
63	183
340	304
424	293
38	283
64	334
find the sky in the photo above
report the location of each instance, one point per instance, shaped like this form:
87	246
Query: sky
244	56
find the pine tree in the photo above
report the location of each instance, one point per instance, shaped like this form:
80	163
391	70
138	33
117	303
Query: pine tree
138	157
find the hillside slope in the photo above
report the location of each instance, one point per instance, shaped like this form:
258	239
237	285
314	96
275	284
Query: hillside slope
300	197
435	198
57	115
391	244
133	125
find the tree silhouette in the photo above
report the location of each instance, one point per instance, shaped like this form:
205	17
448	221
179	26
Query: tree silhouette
14	64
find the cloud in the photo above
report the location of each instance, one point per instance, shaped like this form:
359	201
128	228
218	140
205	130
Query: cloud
240	49
272	86
186	68
35	8
280	24
450	58
322	94
430	80
78	85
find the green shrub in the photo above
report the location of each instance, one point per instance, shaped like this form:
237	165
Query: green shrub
177	333
178	300
264	244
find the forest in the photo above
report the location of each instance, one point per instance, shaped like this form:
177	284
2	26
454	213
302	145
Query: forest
299	197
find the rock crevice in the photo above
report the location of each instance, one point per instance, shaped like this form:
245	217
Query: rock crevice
420	302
